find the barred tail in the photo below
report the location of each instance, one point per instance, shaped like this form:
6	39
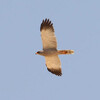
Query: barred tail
65	52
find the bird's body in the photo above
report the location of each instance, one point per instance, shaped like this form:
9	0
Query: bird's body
50	51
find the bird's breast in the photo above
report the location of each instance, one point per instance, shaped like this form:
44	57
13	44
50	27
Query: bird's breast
50	52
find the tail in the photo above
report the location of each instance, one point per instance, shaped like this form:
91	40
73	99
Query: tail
65	52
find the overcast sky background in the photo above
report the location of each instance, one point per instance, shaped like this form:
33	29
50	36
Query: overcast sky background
23	75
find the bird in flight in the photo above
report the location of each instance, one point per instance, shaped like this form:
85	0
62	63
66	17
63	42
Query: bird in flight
50	51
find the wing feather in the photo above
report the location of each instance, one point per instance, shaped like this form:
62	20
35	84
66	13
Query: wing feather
53	64
47	35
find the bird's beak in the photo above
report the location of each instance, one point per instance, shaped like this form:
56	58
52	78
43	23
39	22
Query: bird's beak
36	53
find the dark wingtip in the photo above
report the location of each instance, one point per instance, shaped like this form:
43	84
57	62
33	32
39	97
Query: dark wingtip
54	71
46	24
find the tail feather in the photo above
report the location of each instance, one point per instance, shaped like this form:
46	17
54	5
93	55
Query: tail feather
65	51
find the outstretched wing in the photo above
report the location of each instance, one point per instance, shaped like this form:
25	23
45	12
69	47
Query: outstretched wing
53	64
47	34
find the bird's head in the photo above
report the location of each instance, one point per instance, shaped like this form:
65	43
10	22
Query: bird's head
39	52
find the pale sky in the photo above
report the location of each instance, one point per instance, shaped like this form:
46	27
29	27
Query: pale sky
23	75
